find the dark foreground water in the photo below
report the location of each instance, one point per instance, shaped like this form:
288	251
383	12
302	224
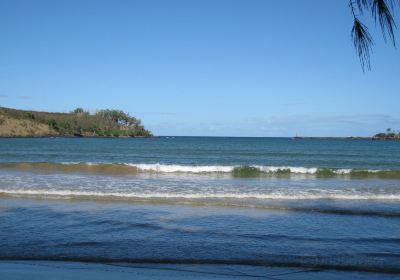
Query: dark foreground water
324	204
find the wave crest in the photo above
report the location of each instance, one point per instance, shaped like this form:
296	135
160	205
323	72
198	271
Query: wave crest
234	170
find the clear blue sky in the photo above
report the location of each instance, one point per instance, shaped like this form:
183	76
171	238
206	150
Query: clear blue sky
200	67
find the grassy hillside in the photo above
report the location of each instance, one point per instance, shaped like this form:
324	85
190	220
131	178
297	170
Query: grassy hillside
112	123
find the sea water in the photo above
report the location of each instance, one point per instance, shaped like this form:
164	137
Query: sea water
273	202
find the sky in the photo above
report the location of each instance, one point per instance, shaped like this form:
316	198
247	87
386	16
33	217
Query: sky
201	67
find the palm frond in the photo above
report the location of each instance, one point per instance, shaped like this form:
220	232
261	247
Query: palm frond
382	13
362	4
363	42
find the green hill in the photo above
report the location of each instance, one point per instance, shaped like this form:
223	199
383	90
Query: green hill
110	123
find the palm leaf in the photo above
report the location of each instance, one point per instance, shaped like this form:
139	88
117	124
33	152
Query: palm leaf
363	42
381	12
362	4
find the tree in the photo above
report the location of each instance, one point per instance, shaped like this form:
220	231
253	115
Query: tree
381	11
80	112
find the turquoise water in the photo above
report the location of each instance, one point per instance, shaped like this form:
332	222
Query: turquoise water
359	154
326	204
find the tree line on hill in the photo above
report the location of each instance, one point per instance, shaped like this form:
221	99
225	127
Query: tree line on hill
79	122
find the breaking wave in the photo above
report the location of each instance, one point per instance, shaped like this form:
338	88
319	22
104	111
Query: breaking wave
234	170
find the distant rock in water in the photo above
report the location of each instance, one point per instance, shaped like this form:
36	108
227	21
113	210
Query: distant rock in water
389	135
78	123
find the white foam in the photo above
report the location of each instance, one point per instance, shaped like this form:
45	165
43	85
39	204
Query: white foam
342	171
304	195
183	168
218	168
296	170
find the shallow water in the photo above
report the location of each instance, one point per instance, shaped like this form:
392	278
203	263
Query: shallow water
183	200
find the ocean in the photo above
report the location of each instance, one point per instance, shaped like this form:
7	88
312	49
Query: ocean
307	204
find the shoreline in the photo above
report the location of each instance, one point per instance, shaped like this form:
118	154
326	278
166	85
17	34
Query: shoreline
72	136
345	138
294	138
